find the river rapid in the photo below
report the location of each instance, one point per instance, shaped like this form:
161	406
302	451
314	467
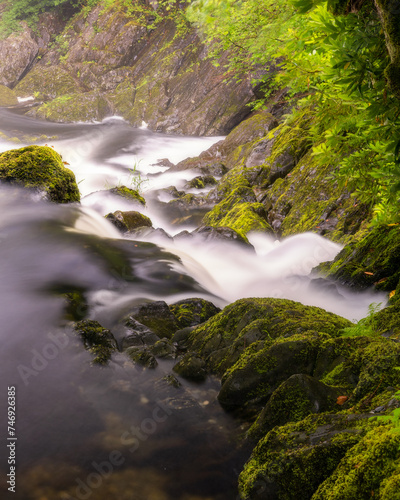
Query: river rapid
120	432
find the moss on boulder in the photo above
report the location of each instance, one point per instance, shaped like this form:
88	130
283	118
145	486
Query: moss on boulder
128	193
7	96
129	221
370	469
193	311
371	261
254	323
97	340
41	168
292	461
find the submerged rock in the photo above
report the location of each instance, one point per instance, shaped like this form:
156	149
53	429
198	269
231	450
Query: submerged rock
40	168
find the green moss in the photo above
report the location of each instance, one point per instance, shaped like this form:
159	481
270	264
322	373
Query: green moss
86	107
242	218
7	96
366	469
96	339
47	83
371	261
129	194
223	338
291	461
190	312
42	168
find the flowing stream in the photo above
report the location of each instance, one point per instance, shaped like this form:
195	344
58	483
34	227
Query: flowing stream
122	432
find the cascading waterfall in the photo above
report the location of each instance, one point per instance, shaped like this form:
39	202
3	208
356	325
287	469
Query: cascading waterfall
118	432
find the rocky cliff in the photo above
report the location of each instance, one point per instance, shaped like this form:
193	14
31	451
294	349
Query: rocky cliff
143	65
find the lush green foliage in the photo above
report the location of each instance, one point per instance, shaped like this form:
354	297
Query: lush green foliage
336	63
29	10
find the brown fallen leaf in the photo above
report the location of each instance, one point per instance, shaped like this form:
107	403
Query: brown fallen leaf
341	400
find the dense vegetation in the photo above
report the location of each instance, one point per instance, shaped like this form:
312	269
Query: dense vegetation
332	56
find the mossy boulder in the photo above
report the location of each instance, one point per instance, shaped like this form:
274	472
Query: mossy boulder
40	168
7	96
292	461
250	323
129	221
97	340
191	367
292	401
370	469
192	312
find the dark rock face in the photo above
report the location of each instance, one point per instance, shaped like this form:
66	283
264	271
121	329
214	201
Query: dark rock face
109	62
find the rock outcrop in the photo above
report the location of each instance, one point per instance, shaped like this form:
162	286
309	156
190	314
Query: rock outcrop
146	66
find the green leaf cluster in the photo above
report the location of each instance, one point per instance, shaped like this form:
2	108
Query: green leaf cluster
333	62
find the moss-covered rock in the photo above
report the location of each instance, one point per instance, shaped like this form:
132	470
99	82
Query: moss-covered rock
291	461
97	340
251	322
369	470
142	356
85	107
41	168
129	221
7	96
292	401
192	312
157	316
191	367
242	218
128	193
372	261
46	83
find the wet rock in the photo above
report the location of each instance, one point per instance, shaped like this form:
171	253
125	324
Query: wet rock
46	83
156	316
142	356
97	340
129	221
163	349
256	323
191	367
192	312
137	334
42	169
128	193
200	182
221	233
